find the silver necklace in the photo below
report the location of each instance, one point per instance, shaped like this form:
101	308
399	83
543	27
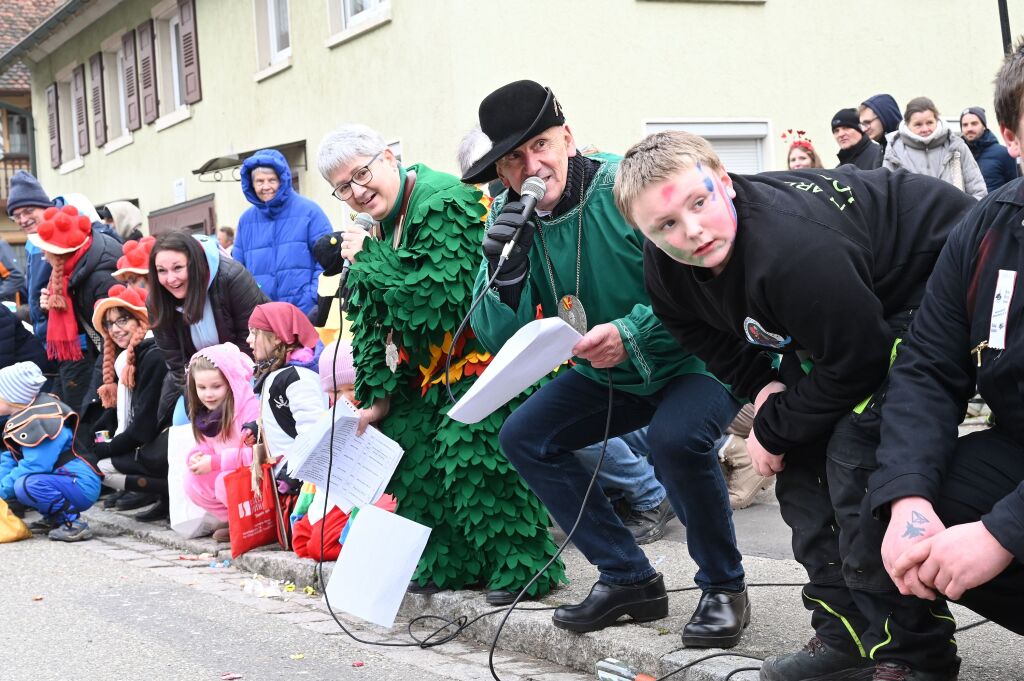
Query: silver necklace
569	308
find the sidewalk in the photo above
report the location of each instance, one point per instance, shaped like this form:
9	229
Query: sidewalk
779	621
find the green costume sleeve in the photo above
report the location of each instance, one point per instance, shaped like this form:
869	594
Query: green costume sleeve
646	341
493	321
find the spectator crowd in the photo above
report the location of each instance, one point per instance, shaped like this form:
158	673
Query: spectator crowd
790	326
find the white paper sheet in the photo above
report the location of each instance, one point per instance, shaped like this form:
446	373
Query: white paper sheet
532	353
362	465
376	563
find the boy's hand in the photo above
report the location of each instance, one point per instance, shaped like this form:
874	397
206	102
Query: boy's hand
44	298
957	559
602	347
764	462
911	521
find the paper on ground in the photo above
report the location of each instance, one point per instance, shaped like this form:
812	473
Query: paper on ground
373	571
532	353
362	465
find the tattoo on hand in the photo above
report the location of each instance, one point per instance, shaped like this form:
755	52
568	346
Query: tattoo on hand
912	527
912	531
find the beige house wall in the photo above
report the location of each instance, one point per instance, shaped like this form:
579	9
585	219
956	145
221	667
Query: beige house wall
614	64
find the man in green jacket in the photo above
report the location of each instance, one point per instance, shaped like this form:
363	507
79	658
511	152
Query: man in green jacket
586	254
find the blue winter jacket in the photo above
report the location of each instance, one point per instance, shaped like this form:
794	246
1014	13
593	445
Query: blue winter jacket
997	166
274	240
37	271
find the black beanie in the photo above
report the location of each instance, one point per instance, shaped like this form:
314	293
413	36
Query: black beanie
977	111
846	118
26	191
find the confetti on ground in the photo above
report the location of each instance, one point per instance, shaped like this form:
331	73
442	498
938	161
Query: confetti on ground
310	591
289	587
357	663
229	676
37	598
298	656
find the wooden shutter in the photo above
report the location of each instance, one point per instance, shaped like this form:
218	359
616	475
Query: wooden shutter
79	109
190	51
99	102
131	81
53	123
147	73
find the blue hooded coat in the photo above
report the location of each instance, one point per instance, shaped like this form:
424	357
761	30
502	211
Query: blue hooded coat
997	166
275	239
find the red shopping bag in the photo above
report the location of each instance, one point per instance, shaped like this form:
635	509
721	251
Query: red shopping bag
252	518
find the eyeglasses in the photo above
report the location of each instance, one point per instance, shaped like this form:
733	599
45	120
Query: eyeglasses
120	323
868	122
362	177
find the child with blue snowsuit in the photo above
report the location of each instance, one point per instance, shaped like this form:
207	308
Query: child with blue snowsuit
40	466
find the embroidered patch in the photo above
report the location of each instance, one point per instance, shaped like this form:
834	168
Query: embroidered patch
758	335
280	402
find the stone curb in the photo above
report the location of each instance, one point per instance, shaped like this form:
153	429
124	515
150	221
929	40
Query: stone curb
528	631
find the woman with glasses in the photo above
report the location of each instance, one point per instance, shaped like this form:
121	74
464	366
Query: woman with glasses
198	297
410	285
131	444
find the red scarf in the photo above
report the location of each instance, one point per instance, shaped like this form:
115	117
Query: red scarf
62	343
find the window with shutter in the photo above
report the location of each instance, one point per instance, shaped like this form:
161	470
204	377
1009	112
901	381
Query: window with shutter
98	97
147	73
131	82
80	110
739	144
53	124
190	52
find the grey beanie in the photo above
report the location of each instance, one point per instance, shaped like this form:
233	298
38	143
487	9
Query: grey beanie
977	111
20	383
26	191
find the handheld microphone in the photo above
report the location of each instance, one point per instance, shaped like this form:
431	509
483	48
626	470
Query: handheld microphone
364	220
532	192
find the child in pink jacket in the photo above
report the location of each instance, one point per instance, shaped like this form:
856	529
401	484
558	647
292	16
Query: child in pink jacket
220	400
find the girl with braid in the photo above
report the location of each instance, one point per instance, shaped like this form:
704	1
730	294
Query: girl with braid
134	459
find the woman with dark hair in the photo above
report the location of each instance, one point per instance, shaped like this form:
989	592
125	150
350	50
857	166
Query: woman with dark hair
924	144
198	297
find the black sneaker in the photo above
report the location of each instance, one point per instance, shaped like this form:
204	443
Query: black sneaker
894	671
649	526
817	662
44	524
133	500
111	500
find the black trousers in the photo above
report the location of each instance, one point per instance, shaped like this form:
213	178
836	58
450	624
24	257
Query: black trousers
145	469
988	466
854	605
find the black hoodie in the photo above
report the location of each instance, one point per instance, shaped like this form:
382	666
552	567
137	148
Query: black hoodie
820	260
866	154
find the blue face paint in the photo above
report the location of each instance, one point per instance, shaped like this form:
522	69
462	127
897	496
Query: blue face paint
708	184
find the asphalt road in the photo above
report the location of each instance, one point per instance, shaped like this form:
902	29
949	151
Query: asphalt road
100	612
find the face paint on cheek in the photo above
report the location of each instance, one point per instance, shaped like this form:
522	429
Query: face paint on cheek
728	200
676	254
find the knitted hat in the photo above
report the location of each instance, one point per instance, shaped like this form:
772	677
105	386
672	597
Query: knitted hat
63	230
26	191
846	118
21	382
285	321
130	298
136	257
977	111
344	372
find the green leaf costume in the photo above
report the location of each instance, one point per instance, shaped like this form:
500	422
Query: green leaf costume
487	527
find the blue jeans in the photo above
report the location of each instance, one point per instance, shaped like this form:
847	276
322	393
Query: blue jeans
626	471
686	417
